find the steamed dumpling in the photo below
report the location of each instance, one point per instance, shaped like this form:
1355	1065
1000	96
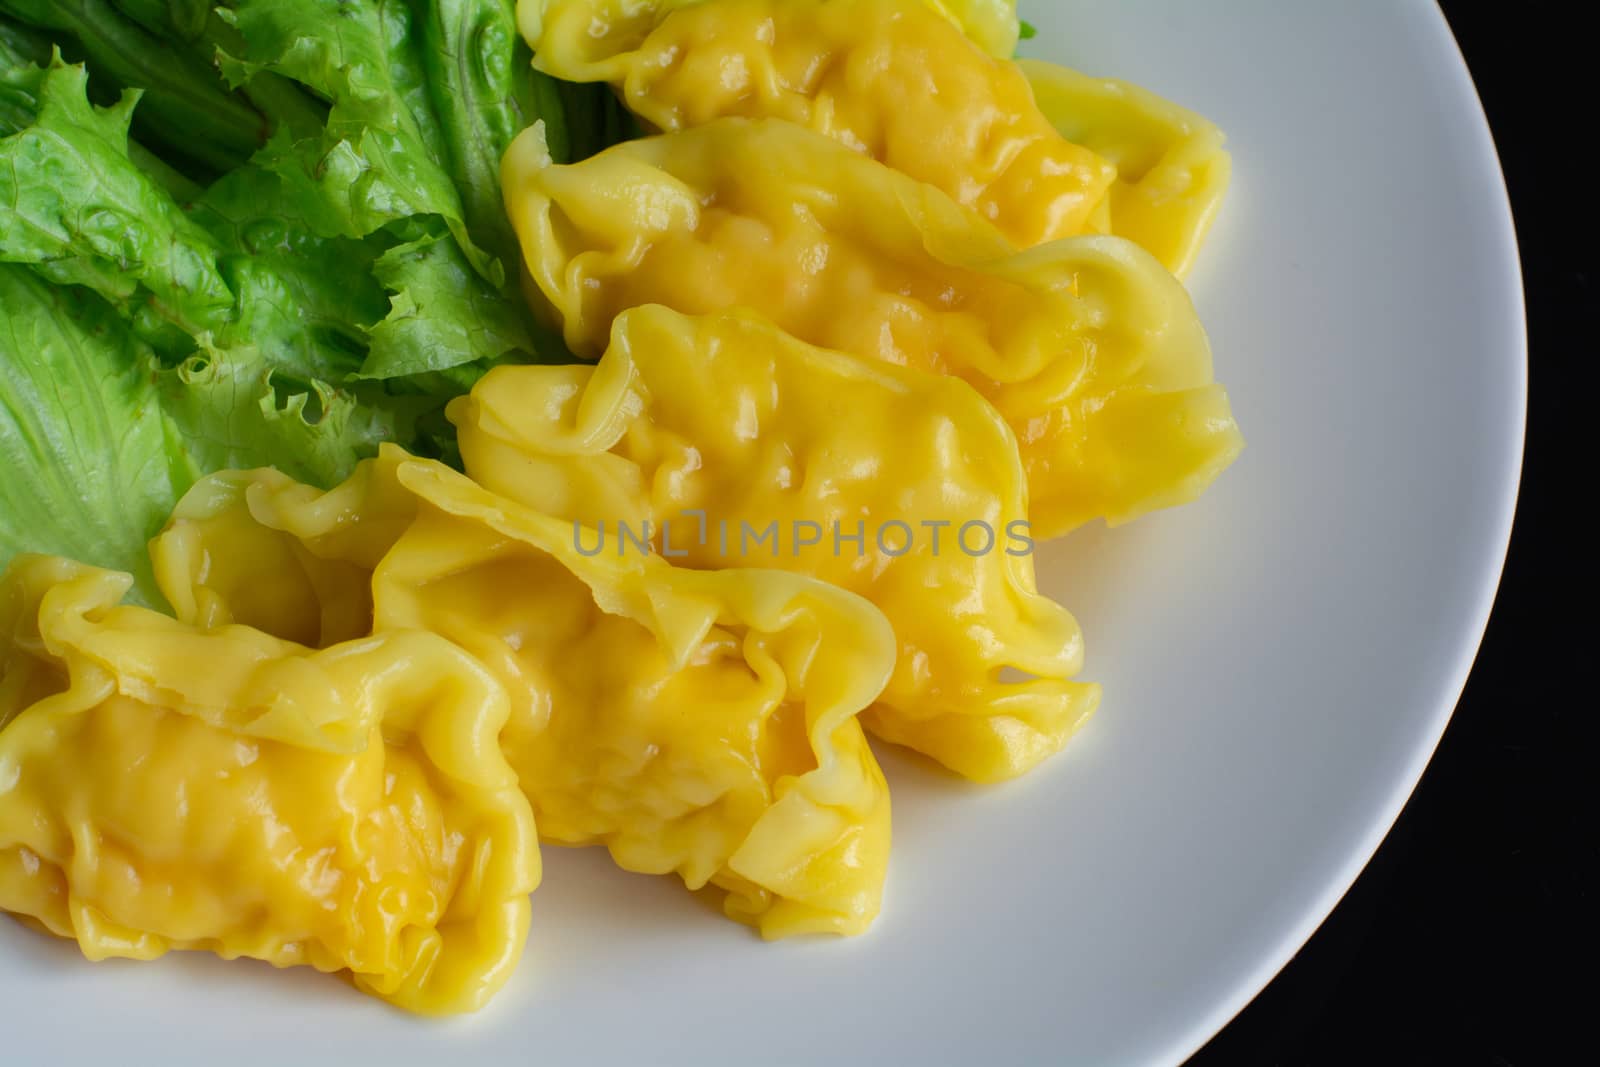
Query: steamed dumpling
169	787
1088	347
1172	170
896	484
888	78
592	29
694	723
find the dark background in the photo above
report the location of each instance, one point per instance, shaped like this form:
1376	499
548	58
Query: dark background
1471	936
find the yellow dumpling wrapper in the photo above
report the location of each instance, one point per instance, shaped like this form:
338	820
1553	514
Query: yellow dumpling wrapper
165	787
260	549
704	434
589	30
1172	169
1088	347
993	24
697	723
888	78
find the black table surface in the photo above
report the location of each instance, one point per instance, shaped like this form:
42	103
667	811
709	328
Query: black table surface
1470	936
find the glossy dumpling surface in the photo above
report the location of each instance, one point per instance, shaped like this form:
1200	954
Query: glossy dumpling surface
1088	347
728	444
697	724
168	787
889	78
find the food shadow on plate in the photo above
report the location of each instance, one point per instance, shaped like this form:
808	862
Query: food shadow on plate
583	891
1089	570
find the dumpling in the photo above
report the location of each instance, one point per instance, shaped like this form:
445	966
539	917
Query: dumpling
991	23
320	549
164	787
1088	347
888	78
701	435
1172	170
697	723
589	30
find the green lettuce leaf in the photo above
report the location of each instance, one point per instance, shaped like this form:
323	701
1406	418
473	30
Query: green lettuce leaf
438	319
425	99
20	45
305	301
74	206
21	78
92	465
189	110
380	158
480	85
195	27
329	294
184	19
23	56
232	411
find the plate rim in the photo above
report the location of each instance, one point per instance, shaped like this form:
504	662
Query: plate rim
1194	1037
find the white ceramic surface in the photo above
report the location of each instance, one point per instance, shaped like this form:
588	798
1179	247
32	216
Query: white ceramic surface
1279	659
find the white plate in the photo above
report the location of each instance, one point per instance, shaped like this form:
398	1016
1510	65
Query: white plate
1279	660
